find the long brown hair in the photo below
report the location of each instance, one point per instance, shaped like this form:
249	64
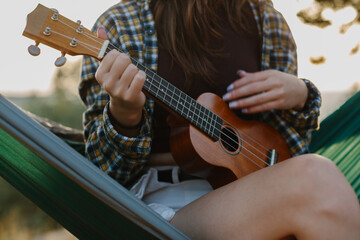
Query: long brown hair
185	27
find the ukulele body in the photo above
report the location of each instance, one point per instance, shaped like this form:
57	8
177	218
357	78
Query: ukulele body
243	146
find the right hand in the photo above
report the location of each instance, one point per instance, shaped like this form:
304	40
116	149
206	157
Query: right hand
123	82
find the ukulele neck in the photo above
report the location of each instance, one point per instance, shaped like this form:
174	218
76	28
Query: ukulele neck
179	102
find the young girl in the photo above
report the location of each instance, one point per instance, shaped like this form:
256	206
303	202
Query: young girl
244	52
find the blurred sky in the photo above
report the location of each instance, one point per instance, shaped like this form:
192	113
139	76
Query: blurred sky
22	73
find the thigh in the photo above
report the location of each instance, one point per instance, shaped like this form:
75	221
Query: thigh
257	206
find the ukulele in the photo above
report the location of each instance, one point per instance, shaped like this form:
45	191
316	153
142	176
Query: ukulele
214	143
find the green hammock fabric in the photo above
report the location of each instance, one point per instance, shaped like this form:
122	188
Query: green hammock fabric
59	196
339	140
68	187
91	205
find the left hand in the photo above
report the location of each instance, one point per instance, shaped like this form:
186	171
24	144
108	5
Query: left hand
266	90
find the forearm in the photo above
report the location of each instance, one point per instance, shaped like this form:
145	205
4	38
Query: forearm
126	122
121	157
306	118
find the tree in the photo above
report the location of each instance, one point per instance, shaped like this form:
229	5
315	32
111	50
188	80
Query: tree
314	15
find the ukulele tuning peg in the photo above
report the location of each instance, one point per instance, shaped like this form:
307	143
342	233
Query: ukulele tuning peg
34	50
55	16
60	61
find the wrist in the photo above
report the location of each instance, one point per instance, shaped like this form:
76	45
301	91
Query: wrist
119	125
303	96
125	118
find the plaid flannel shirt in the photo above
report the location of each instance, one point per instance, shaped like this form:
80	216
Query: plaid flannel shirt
130	27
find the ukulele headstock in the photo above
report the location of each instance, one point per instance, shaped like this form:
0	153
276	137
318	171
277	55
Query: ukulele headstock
47	26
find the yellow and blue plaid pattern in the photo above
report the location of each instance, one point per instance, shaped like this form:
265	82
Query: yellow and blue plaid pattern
130	27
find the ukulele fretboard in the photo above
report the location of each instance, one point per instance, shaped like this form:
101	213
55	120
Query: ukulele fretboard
179	102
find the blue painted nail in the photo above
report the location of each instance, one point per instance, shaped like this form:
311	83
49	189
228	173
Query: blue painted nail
240	72
226	96
232	104
230	87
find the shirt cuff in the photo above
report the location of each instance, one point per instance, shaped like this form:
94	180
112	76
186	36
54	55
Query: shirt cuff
130	145
311	110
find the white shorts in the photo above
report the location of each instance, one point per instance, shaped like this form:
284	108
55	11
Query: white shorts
167	198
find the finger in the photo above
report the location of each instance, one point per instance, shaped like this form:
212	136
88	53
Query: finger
131	93
106	65
247	78
120	64
127	78
101	33
254	100
268	106
248	90
237	83
138	82
241	73
135	89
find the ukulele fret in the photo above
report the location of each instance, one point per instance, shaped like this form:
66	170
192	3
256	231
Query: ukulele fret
211	123
170	89
207	122
186	107
176	99
196	113
181	103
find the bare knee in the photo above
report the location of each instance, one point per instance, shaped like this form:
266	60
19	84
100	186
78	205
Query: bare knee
322	189
318	178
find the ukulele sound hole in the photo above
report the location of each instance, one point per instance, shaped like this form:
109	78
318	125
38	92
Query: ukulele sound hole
230	140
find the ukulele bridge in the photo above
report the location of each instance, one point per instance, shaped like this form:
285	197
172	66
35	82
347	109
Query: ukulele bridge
272	157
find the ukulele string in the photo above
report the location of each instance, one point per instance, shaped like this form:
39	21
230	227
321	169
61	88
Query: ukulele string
111	46
92	37
234	142
85	45
226	135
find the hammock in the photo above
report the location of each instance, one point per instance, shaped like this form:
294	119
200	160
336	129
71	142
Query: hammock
72	190
339	139
91	205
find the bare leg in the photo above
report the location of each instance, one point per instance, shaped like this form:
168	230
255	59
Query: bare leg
306	196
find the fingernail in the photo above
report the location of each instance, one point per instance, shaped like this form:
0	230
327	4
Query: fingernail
239	72
226	96
101	27
230	87
244	110
232	104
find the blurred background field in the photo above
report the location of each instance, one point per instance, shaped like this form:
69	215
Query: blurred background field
19	217
327	33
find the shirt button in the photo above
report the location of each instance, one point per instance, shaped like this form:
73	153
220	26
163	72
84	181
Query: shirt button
150	31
